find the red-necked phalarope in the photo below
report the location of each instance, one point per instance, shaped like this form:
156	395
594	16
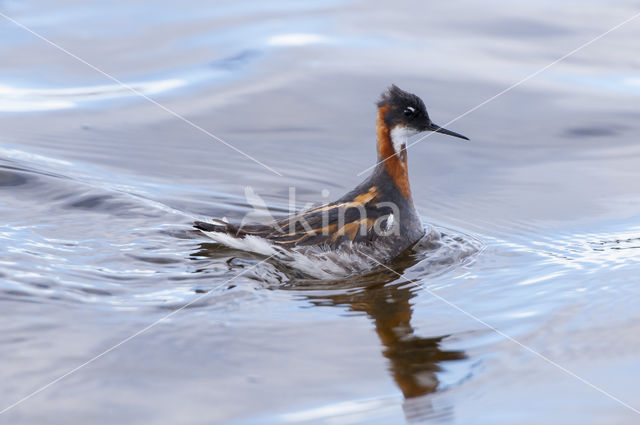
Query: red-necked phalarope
377	218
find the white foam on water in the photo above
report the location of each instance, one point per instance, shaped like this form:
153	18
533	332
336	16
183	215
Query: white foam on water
318	261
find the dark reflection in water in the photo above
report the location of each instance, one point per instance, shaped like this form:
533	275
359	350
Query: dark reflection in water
12	179
236	61
414	360
603	131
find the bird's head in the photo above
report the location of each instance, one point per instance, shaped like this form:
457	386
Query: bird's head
405	115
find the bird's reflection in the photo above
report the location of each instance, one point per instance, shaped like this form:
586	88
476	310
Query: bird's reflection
414	360
386	299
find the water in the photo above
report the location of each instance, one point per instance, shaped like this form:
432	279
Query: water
99	188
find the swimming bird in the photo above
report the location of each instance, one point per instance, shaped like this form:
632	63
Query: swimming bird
377	218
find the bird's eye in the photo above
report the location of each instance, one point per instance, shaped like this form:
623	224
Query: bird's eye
409	111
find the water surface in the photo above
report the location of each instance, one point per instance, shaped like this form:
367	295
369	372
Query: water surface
99	187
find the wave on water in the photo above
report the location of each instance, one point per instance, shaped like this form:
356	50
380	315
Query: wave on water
438	249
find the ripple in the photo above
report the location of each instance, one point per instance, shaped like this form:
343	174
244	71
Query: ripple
23	99
592	252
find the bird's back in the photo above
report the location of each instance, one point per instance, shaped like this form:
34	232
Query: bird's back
374	213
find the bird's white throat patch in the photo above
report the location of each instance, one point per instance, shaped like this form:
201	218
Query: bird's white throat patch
400	136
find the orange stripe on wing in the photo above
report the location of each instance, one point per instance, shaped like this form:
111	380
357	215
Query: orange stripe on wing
360	200
351	229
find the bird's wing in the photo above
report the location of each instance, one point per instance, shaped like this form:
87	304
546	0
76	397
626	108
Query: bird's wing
360	218
332	225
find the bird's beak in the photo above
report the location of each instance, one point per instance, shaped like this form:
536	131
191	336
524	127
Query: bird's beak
438	129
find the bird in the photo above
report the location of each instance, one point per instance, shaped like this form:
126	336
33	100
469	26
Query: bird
376	220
